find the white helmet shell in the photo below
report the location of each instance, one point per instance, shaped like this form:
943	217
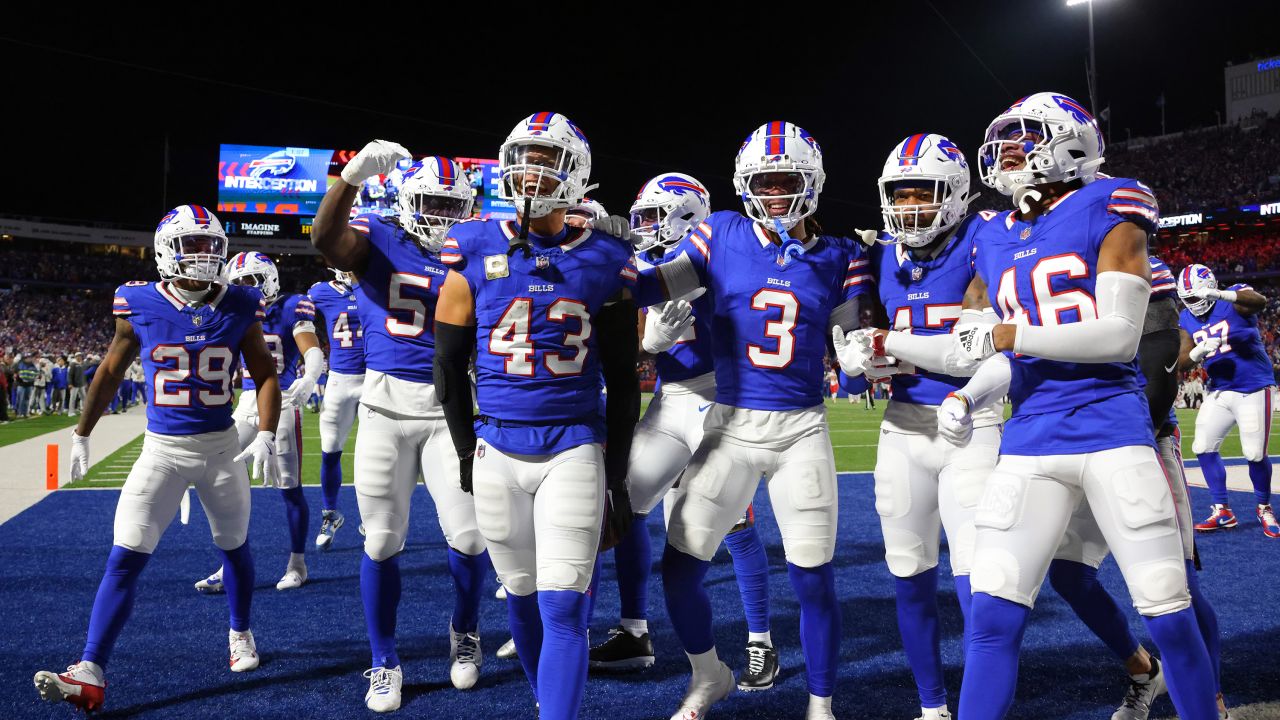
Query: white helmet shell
779	147
190	243
1192	278
434	196
667	209
256	270
931	162
546	161
1061	140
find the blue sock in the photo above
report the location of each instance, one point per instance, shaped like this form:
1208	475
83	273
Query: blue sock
751	565
1260	476
687	603
1078	584
470	577
1207	619
1187	669
991	663
330	479
380	589
964	595
633	561
819	624
114	603
917	600
237	578
298	514
525	621
1215	476
564	647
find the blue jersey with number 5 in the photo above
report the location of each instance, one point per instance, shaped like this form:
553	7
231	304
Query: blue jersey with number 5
188	354
336	303
1045	272
1240	363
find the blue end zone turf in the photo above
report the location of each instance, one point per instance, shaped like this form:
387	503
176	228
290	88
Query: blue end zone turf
171	660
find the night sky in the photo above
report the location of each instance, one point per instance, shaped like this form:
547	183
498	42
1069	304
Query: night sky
92	97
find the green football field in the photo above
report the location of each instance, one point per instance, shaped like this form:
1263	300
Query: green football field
853	435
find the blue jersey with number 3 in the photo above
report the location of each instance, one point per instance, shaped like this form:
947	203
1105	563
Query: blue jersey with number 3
336	303
188	354
1240	364
1045	271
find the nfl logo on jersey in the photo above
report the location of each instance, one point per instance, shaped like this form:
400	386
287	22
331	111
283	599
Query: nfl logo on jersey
917	273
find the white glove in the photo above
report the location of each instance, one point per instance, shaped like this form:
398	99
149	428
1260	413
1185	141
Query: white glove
377	158
1206	347
974	341
955	424
672	322
868	237
854	350
79	456
1208	293
614	225
261	454
883	366
299	392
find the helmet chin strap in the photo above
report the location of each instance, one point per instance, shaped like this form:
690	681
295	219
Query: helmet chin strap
521	241
1024	195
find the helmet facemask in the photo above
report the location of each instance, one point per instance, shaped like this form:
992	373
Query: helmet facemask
541	174
916	224
779	198
427	216
193	256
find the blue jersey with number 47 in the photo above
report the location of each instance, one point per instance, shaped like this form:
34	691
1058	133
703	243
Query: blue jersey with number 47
336	303
1045	271
188	354
1240	364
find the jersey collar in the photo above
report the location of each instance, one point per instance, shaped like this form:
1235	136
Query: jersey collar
176	302
573	237
1011	218
767	243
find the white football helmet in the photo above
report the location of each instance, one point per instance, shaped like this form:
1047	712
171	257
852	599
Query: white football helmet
589	210
434	197
1060	139
546	160
344	277
255	270
930	162
779	156
190	244
1192	278
668	207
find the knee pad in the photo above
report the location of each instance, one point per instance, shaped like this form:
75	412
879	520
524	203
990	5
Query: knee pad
138	539
231	540
1158	587
562	575
997	573
906	554
1202	444
518	583
808	553
468	542
381	544
893	483
698	542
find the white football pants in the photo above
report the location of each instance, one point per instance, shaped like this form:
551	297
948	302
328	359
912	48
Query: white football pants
341	399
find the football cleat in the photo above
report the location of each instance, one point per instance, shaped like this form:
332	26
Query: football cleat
1141	694
508	650
622	651
938	713
244	653
1267	518
816	712
384	688
81	685
465	659
1219	518
332	520
762	667
211	584
295	576
702	694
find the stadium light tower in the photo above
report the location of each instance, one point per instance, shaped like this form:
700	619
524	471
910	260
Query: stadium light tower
1093	65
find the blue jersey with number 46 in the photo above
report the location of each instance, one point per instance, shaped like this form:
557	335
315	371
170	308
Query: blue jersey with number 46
1240	364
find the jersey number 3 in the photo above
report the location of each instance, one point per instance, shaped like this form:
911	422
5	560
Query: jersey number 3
780	330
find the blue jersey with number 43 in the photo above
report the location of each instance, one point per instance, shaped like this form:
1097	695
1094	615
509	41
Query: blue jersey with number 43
1240	364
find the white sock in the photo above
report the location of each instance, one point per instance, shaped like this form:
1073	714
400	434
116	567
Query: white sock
822	704
635	628
764	637
705	665
297	560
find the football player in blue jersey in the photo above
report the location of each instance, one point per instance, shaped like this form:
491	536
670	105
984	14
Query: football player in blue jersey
677	334
290	331
923	265
778	287
1067	271
402	432
544	306
336	302
189	328
1224	337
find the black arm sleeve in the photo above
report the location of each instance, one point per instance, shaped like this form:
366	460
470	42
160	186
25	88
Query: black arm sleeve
1158	358
454	346
618	342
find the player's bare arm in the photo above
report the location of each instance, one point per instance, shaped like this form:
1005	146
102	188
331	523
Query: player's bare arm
262	368
124	347
342	246
1249	301
975	297
1185	362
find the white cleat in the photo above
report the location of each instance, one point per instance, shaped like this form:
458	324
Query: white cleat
384	689
822	713
82	685
702	694
1142	693
328	528
940	713
211	584
501	594
465	659
294	577
244	653
508	650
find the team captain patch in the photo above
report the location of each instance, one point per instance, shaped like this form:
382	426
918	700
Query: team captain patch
495	266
